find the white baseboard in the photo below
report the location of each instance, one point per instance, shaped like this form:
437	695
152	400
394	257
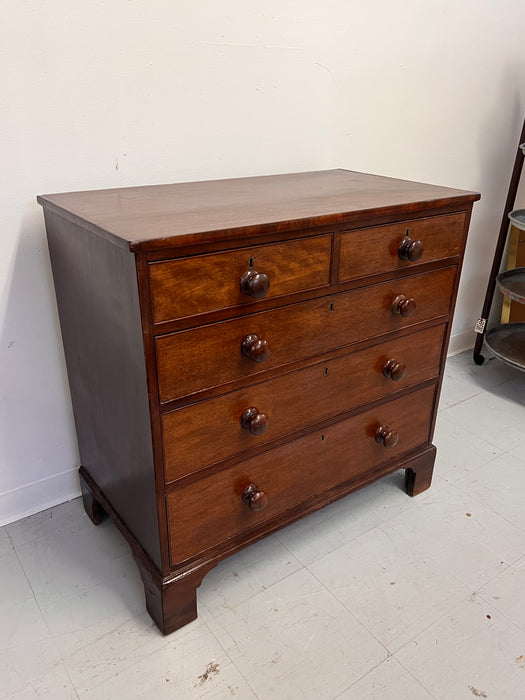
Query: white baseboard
38	496
461	342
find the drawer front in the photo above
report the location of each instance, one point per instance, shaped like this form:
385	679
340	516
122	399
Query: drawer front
205	283
201	358
370	251
213	430
211	510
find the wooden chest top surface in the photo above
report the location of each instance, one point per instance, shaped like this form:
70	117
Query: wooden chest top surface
156	216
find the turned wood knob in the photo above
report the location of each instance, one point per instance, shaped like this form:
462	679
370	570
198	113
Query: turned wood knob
405	306
254	422
255	499
410	250
255	284
395	370
257	349
387	437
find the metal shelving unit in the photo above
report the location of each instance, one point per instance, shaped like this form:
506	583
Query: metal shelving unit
507	341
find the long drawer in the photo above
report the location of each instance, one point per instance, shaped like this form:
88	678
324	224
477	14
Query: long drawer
378	249
204	283
210	431
207	356
211	510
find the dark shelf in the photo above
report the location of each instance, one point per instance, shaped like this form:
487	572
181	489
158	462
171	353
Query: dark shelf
507	342
504	346
512	284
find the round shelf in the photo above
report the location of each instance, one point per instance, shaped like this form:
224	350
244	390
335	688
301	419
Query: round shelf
507	343
512	284
517	218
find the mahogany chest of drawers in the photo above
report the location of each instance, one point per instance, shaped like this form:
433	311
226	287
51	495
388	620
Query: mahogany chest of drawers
243	352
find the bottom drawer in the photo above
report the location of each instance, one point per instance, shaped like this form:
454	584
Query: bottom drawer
211	510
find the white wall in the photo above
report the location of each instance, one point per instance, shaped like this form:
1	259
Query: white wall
128	92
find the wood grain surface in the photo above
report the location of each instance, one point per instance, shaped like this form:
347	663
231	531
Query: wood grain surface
204	357
370	251
204	283
160	216
207	432
211	510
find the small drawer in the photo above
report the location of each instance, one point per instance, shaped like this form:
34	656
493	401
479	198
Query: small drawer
371	251
212	509
205	283
241	348
225	426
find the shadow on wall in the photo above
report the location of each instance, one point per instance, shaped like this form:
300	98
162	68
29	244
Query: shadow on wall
38	451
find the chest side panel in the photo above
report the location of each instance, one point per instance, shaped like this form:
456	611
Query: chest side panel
98	304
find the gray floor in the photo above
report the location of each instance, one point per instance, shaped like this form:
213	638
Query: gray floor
376	596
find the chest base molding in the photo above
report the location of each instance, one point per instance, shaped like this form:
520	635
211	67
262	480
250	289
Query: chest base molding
172	600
